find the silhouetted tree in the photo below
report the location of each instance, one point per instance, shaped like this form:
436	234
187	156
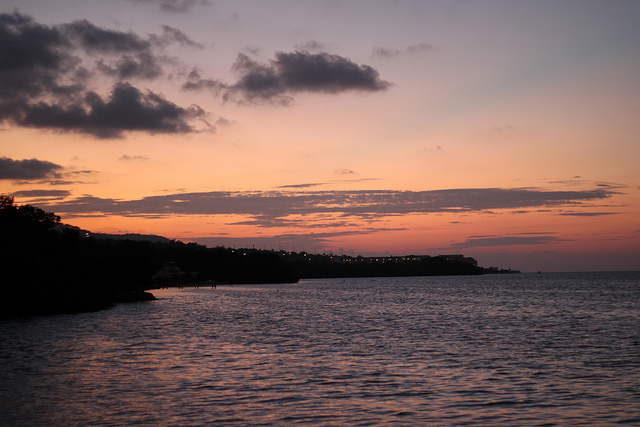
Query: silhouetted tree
47	268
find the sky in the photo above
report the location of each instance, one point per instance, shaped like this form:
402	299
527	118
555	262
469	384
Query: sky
502	130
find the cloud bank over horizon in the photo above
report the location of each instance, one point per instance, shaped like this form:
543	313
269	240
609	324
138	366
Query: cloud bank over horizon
314	219
268	207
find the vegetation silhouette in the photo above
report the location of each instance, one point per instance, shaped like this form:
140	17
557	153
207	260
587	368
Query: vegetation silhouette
49	268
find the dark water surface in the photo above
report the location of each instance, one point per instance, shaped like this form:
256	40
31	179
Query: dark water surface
548	349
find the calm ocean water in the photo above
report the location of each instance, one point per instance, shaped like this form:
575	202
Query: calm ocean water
547	349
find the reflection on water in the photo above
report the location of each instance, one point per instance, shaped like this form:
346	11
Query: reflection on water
489	350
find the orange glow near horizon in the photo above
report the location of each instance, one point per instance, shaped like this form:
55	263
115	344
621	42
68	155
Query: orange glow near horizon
373	154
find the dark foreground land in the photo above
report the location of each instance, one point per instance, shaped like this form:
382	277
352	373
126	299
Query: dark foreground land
48	268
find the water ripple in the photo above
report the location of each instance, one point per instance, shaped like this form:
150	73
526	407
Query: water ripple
514	350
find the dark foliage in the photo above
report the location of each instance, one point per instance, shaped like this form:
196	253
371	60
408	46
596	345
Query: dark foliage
49	269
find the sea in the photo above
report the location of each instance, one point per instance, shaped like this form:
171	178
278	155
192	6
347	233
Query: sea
550	349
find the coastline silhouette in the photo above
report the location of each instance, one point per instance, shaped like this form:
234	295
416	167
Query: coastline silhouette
52	268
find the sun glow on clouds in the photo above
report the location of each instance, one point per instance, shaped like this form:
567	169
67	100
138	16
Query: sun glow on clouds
412	128
393	221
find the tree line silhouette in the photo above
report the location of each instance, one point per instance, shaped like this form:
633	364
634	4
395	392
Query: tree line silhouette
49	269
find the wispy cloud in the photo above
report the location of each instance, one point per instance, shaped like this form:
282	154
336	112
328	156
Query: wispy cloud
476	242
344	172
64	177
42	194
126	157
172	35
174	6
385	52
588	213
267	207
330	182
307	185
312	46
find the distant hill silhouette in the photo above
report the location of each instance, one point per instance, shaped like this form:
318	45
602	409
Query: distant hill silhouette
132	236
128	236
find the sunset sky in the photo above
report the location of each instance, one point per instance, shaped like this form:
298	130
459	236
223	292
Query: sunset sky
508	131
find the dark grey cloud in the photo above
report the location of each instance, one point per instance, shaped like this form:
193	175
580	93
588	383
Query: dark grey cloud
385	52
32	59
126	109
28	169
323	72
44	84
290	73
267	208
65	177
142	65
196	82
258	83
126	55
174	6
135	56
